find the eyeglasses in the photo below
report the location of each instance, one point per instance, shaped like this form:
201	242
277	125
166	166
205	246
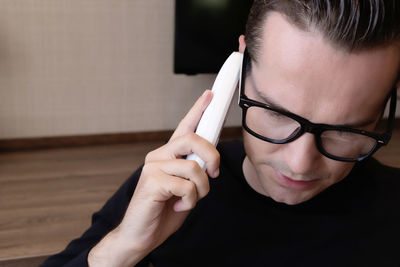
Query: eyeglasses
335	142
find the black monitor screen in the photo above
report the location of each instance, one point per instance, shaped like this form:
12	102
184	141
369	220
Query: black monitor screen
207	32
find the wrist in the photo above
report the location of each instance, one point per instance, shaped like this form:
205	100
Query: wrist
115	250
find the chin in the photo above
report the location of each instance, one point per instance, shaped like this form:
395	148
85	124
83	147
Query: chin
293	197
291	200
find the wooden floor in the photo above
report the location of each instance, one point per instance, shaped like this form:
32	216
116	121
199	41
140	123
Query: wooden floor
47	196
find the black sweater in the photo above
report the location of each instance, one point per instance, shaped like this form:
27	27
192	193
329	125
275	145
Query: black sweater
355	222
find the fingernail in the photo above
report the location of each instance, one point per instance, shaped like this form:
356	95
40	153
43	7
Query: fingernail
206	92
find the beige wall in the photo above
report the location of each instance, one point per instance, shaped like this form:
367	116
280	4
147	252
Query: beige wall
73	67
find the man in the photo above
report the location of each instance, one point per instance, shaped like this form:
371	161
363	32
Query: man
302	189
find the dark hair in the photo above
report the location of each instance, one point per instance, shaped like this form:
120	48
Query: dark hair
351	25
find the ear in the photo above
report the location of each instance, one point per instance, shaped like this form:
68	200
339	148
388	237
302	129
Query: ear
242	43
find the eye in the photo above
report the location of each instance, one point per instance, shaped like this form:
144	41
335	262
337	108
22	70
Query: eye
276	114
273	114
344	133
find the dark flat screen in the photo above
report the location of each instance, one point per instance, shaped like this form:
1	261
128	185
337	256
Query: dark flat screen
207	32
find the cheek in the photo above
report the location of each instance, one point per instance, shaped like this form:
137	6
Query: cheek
339	170
259	150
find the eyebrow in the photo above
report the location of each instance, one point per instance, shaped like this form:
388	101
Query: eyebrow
359	124
266	100
269	102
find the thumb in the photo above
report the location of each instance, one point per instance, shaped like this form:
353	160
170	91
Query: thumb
191	120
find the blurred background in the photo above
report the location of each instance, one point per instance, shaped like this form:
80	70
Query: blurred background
73	67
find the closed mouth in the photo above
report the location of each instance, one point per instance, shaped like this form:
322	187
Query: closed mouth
292	183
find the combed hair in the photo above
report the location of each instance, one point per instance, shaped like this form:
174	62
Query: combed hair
350	25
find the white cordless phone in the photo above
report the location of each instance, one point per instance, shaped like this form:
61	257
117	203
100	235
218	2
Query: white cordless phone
224	87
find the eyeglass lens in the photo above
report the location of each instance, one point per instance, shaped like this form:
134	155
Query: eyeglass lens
277	127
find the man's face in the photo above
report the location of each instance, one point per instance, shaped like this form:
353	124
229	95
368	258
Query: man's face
301	72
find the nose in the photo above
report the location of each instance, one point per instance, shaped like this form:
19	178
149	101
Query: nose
302	155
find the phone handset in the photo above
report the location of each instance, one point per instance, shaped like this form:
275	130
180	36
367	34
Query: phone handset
224	87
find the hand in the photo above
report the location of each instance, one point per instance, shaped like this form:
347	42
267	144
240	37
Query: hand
168	188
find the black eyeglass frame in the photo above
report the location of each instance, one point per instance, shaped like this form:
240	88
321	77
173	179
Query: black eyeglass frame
315	128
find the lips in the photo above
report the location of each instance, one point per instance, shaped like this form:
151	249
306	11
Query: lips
295	184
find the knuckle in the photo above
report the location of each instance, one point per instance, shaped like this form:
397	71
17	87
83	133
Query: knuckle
206	190
147	181
149	156
148	171
155	154
192	203
216	157
192	166
148	167
191	189
191	137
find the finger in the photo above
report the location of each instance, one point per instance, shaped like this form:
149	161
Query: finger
186	190
186	145
188	170
191	120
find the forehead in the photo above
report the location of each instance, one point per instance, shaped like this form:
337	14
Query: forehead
304	73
